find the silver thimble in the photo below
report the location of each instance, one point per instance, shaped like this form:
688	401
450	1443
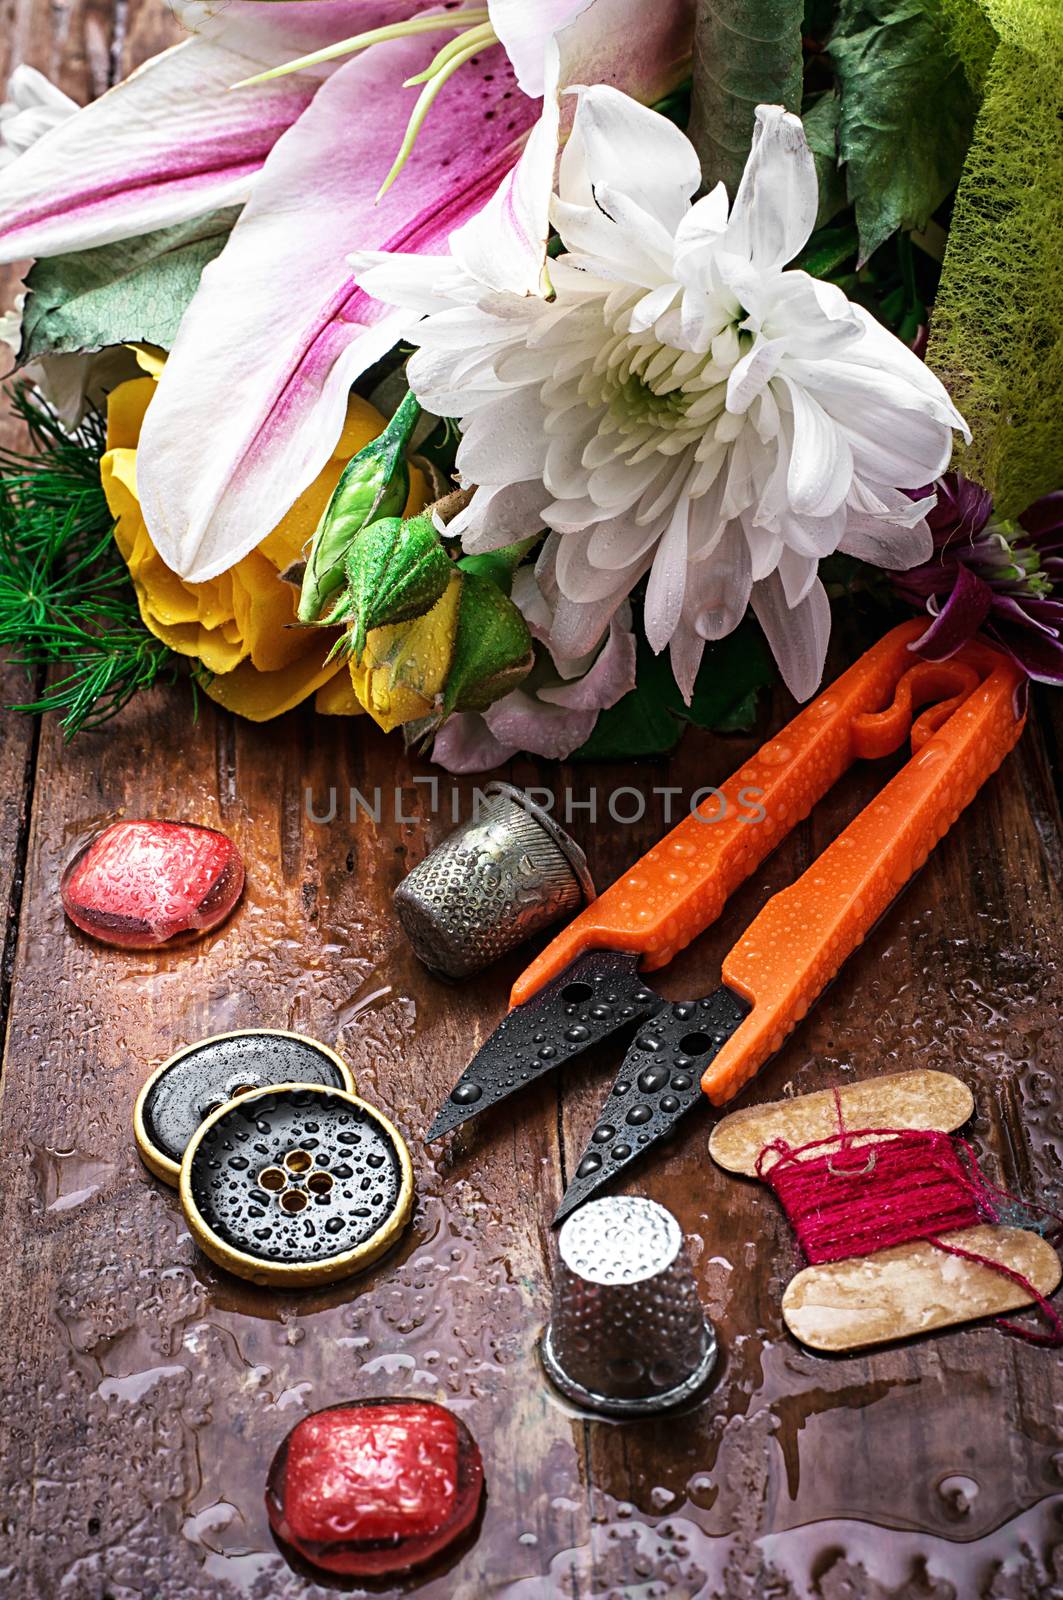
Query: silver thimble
627	1333
491	884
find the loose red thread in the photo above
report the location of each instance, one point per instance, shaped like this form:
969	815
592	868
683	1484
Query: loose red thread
856	1198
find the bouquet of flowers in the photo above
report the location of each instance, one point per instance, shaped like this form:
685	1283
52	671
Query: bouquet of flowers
535	375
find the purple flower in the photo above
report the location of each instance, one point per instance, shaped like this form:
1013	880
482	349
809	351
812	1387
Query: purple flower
1001	579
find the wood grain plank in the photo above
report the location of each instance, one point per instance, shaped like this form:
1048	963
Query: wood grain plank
772	1480
148	1390
18	760
71	43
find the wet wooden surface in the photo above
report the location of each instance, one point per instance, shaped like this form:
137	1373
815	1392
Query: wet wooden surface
148	1391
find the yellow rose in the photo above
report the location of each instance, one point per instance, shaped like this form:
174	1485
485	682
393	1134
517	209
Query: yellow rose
237	624
404	665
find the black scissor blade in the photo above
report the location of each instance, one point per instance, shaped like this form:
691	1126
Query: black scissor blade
658	1083
597	994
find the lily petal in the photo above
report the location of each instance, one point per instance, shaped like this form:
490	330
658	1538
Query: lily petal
279	328
504	246
169	143
282	30
642	49
32	108
523	30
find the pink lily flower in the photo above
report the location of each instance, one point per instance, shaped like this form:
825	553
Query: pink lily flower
279	330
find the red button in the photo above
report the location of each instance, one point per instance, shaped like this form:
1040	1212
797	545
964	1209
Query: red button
375	1487
140	884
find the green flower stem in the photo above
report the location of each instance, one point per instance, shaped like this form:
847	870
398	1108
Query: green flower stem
447	52
361	41
472	42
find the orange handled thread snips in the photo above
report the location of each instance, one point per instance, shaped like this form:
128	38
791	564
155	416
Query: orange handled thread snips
585	986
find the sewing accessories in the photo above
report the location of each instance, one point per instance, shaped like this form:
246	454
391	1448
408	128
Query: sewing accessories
200	1078
491	884
296	1186
902	1232
375	1487
285	1175
627	1334
147	883
585	986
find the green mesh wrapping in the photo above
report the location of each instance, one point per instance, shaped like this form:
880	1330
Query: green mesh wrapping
972	36
997	326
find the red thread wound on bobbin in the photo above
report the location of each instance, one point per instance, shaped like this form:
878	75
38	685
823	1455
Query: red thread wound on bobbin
855	1199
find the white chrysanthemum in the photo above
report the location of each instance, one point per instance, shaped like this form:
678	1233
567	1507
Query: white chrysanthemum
681	405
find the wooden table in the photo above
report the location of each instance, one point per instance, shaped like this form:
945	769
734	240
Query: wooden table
148	1391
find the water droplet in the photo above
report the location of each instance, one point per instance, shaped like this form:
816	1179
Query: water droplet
652	1079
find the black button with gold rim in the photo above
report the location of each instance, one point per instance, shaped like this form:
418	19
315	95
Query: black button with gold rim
297	1185
202	1077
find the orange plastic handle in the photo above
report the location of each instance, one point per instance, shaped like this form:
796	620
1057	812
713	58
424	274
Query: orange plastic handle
793	948
682	884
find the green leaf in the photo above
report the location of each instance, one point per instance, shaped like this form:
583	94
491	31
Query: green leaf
907	112
676	105
649	721
820	118
733	672
132	292
746	52
492	647
644	722
827	250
